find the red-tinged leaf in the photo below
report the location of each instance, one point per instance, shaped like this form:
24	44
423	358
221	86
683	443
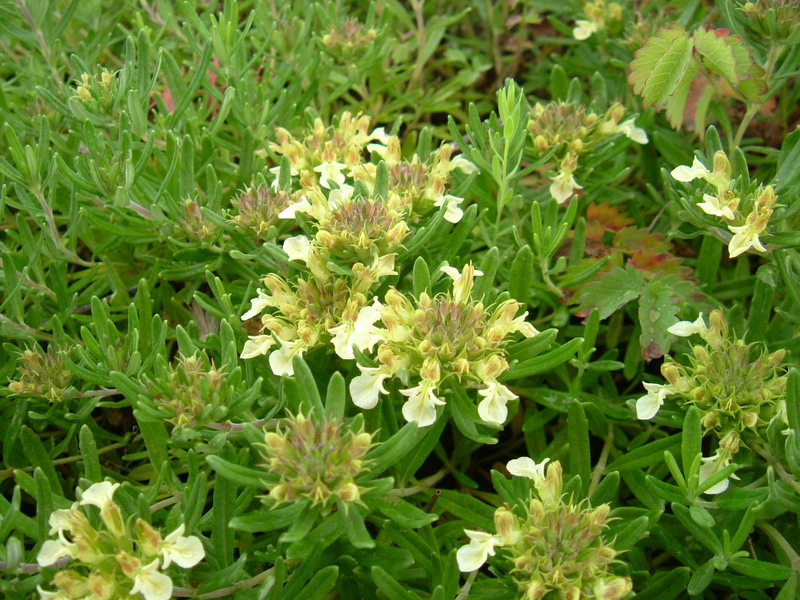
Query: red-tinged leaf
166	97
656	263
609	218
631	239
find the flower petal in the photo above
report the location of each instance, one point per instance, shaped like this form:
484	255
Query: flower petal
462	164
527	467
152	584
297	248
185	552
52	550
60	521
99	494
453	212
687	174
290	211
636	134
492	408
563	186
688	328
421	404
362	333
583	29
257	345
710	465
280	361
257	304
473	555
366	388
647	406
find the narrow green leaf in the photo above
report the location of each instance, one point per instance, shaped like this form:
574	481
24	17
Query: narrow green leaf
701	579
306	384
692	439
91	460
580	460
353	523
393	589
39	457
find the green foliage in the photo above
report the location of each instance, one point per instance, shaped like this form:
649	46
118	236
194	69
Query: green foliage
330	171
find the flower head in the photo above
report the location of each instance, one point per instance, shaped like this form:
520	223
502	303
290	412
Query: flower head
437	342
117	560
556	548
317	459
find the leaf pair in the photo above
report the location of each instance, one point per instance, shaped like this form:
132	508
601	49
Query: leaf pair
682	73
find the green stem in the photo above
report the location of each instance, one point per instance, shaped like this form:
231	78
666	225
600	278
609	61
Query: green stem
772	59
781	541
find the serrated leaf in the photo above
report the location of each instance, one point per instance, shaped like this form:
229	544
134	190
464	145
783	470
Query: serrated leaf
676	104
611	291
717	54
660	65
658	310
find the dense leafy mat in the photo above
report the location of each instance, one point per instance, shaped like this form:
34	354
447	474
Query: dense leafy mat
404	300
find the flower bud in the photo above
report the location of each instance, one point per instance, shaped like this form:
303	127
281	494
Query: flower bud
730	442
101	586
130	565
506	524
750	419
612	588
149	538
349	492
709	420
74	584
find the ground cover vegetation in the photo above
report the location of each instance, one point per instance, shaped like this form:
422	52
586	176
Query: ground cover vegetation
438	299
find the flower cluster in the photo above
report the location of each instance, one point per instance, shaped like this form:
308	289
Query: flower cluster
449	337
197	225
774	20
354	225
599	17
351	224
333	158
311	311
348	40
556	548
97	90
258	208
190	389
572	130
111	562
746	215
317	459
43	374
736	387
326	154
